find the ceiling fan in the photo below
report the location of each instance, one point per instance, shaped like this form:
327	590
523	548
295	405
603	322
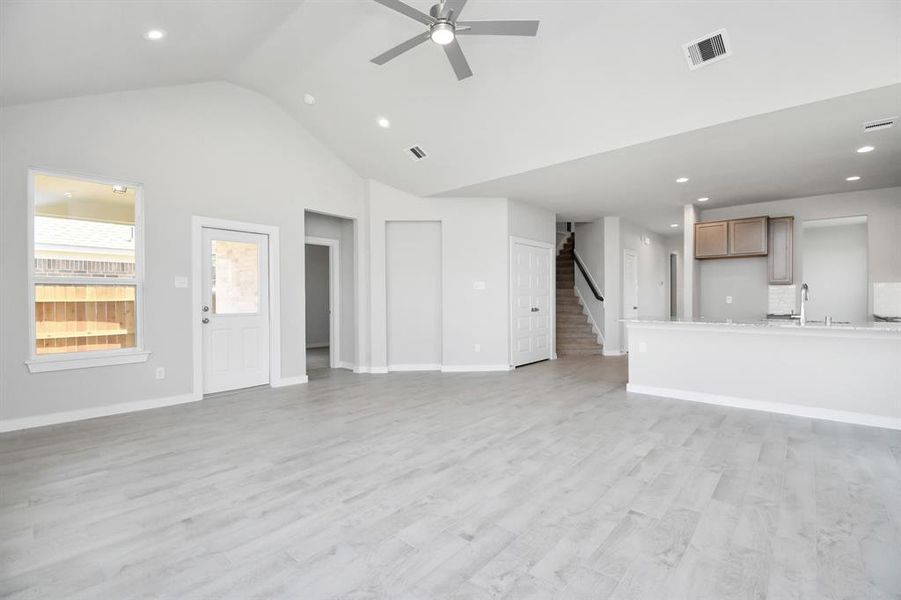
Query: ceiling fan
444	29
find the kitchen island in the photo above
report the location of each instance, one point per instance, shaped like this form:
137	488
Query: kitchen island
840	372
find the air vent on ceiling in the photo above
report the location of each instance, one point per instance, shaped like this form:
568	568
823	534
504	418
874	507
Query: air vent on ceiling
707	50
879	124
416	153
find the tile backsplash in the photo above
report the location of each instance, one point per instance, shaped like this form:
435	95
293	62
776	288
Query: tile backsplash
782	299
887	299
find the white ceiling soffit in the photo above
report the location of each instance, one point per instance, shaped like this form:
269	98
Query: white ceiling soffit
62	48
797	152
599	76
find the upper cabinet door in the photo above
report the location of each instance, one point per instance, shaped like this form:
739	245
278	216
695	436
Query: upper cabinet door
748	237
711	239
780	250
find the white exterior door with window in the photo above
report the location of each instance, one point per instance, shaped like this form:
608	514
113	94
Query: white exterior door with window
235	312
531	310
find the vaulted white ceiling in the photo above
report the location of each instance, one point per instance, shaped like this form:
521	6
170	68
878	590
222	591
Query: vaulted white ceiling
61	48
600	75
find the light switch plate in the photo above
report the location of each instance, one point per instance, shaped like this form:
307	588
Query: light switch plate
181	282
478	285
728	299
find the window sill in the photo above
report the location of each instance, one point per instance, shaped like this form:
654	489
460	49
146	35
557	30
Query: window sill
44	364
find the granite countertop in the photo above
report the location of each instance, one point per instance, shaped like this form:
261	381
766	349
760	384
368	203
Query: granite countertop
774	324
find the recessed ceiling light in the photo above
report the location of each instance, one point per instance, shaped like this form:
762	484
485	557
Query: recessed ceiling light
119	189
704	199
865	149
384	123
155	35
682	180
673	225
852	178
68	194
309	99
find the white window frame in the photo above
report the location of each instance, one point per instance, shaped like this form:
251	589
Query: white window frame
99	358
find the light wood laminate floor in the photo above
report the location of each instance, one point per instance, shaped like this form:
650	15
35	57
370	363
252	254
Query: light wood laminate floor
547	482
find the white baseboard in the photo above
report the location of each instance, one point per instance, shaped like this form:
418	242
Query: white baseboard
474	368
606	352
317	345
343	364
286	381
372	370
432	367
94	412
796	410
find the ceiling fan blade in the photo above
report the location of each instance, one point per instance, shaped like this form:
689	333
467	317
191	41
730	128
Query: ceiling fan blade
529	28
452	9
400	49
457	60
406	9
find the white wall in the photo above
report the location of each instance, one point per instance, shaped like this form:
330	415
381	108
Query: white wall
343	230
745	279
613	285
474	248
413	294
317	287
212	149
532	223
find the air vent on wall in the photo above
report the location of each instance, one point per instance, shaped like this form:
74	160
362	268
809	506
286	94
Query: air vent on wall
708	49
879	124
416	153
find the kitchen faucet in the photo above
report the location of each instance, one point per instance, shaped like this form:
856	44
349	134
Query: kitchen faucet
805	297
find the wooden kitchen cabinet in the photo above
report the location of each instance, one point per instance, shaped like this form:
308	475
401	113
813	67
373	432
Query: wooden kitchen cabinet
779	260
712	239
748	237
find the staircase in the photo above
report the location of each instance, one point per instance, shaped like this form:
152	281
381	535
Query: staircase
574	333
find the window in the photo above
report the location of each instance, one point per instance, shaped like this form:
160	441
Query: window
86	270
235	282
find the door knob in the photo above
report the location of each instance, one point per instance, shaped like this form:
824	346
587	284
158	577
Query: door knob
206	309
534	309
205	321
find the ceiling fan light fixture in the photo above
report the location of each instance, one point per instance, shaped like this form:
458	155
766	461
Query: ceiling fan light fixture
442	33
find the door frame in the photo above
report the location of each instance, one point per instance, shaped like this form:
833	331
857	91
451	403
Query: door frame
552	284
198	224
334	296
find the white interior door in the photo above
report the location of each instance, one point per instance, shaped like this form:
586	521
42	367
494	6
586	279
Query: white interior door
630	290
235	310
531	311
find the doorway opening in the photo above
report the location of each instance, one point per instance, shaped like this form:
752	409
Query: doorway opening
673	285
329	290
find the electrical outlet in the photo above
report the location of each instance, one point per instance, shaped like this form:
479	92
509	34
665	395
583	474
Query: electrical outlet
477	348
161	372
728	299
478	285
